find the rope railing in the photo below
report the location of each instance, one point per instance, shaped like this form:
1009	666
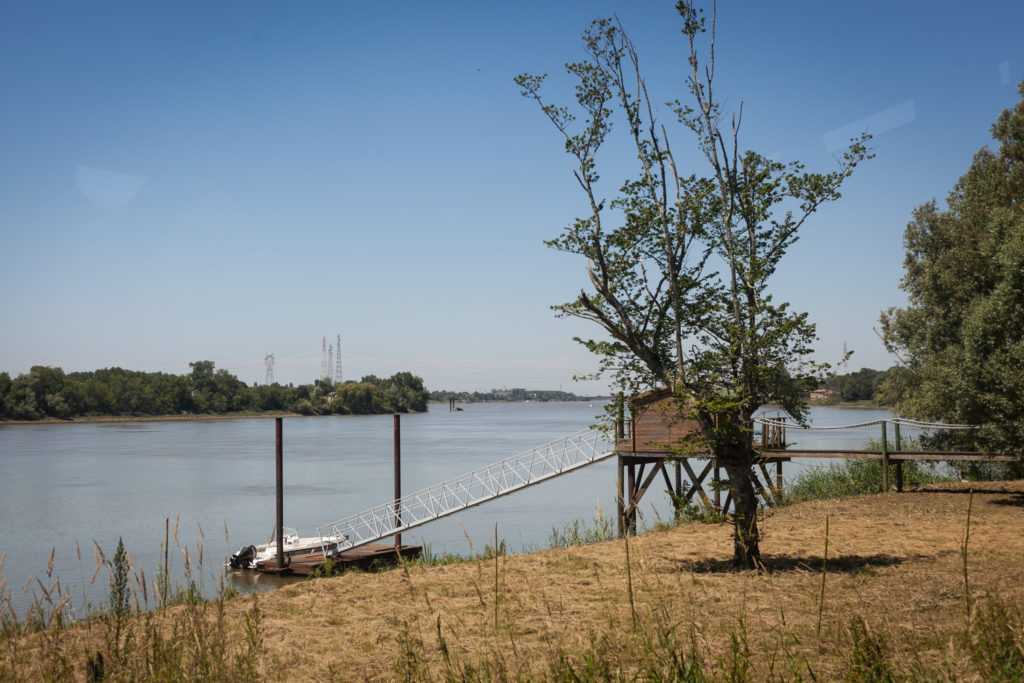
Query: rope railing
894	421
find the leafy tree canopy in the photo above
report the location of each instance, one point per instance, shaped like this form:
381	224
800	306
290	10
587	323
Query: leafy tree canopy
962	332
47	392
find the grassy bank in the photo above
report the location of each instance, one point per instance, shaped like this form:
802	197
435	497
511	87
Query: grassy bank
902	591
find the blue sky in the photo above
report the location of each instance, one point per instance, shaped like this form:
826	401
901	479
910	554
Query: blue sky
187	181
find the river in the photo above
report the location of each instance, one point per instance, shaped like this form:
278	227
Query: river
93	483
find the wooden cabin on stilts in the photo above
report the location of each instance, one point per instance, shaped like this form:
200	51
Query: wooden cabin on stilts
653	436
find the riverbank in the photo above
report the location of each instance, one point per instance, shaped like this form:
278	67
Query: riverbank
902	575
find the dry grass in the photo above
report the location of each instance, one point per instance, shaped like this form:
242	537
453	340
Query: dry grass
894	590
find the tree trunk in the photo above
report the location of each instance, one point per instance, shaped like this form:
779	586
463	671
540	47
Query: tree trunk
746	551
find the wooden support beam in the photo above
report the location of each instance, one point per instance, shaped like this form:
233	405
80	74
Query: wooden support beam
698	482
768	493
674	491
718	487
758	486
640	491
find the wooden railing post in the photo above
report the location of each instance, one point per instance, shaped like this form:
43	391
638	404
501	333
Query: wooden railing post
885	461
899	462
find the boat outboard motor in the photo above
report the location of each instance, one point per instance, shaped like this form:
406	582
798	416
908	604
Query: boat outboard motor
243	558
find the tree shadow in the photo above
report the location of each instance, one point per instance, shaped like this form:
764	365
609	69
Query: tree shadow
1012	497
804	563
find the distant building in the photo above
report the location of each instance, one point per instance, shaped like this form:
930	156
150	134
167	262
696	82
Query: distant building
824	395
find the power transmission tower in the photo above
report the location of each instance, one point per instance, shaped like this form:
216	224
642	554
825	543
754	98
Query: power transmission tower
269	362
323	361
337	361
330	363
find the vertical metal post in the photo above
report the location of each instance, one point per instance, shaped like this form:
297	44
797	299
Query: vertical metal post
279	491
899	463
885	461
398	478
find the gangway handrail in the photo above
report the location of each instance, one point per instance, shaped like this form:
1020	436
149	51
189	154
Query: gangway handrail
498	479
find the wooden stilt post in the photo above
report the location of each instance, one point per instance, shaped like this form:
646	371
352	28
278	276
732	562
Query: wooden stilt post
677	501
279	491
631	508
398	477
778	476
899	463
620	505
885	461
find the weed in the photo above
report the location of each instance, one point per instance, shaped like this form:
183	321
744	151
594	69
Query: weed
859	477
997	640
580	532
869	660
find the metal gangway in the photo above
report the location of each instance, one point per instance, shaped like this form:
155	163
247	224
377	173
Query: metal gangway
507	476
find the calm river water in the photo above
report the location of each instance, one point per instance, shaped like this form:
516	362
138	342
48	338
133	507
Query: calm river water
97	482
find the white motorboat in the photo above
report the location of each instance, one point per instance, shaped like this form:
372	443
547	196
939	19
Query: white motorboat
249	556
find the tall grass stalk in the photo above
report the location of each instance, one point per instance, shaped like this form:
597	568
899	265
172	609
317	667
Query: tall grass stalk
824	573
963	558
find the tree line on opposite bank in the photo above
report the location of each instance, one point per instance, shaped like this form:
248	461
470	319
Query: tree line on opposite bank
509	395
48	392
864	385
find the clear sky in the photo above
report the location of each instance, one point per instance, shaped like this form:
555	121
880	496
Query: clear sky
218	181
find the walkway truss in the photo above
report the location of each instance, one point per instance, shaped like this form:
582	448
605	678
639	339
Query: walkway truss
530	467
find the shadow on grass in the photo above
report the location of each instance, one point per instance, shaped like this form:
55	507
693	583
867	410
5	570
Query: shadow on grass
1013	497
805	563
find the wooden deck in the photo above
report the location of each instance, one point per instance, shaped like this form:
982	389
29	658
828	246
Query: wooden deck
362	557
777	454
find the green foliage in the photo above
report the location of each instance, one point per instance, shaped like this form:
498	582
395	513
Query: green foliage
962	333
996	640
864	385
46	392
869	654
580	532
860	477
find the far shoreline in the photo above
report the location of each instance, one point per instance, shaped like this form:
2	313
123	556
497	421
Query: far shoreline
175	418
252	416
